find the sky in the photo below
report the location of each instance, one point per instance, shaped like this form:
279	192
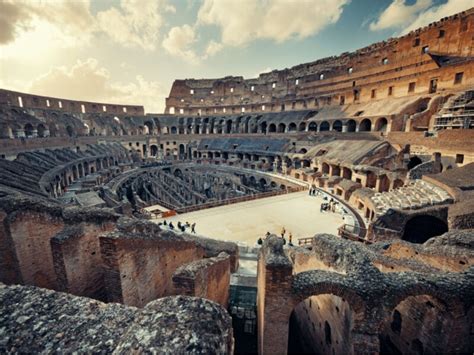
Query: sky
130	51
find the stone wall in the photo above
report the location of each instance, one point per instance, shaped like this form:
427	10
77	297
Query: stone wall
36	320
208	278
344	302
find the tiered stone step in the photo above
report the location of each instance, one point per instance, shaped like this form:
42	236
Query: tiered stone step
417	194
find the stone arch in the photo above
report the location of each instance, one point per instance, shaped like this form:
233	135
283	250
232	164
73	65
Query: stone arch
302	126
351	126
365	125
281	128
325	168
182	151
292	127
420	228
75	173
6	131
42	130
29	130
70	131
313	126
149	125
414	161
154	150
262	183
272	128
337	126
263	127
324	126
173	130
381	125
228	126
416	313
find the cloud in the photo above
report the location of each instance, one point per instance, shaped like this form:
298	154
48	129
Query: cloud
421	13
72	18
178	43
134	22
241	22
130	23
87	80
213	48
398	14
435	13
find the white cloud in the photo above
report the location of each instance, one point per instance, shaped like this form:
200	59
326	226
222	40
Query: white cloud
244	21
421	13
134	22
435	13
213	48
68	22
178	43
87	80
398	14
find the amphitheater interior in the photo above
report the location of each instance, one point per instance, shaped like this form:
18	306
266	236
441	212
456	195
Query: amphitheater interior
383	137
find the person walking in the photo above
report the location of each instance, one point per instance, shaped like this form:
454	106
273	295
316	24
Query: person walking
290	239
283	231
193	228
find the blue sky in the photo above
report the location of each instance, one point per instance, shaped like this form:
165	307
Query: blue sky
130	51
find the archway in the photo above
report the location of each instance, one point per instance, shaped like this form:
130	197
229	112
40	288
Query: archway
154	150
41	130
70	131
381	125
28	130
263	127
174	130
321	324
228	126
281	128
302	127
272	128
292	127
423	324
351	126
324	126
325	168
313	127
337	126
149	125
365	125
414	161
421	228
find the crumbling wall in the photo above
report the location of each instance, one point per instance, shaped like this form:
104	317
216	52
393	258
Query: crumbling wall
139	268
208	278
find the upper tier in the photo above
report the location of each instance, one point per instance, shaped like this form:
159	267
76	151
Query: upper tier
435	58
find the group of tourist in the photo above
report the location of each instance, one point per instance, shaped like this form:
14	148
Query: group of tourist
180	226
282	233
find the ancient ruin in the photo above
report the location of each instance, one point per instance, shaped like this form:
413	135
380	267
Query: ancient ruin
100	250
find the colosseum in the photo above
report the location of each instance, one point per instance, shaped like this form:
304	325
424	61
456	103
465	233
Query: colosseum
325	208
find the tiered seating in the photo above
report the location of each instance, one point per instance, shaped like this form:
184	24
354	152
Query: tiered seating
417	194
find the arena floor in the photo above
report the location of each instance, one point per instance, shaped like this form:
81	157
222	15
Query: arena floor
245	222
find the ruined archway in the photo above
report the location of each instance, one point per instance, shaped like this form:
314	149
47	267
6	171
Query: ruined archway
272	128
281	128
313	127
302	127
351	126
324	126
337	126
365	125
381	125
292	127
421	228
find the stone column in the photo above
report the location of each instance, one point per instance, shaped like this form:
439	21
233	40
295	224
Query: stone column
274	297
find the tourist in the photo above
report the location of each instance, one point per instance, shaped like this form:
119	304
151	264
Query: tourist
193	228
171	225
188	225
164	223
290	239
183	228
259	241
283	231
179	224
267	235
